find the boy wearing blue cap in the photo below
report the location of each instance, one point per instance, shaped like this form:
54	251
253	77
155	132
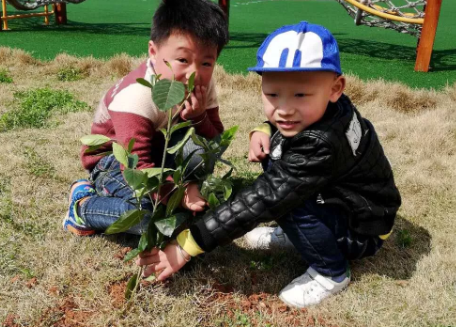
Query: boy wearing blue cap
327	182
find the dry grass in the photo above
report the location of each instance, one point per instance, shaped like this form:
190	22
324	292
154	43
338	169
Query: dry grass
50	278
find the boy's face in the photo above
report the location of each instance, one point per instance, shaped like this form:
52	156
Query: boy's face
186	56
293	101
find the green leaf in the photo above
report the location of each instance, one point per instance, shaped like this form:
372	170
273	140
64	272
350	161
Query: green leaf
151	278
159	213
168	226
213	201
134	177
228	191
143	242
93	148
175	200
228	135
127	220
154	79
133	160
131	255
131	285
220	188
151	185
94	139
180	125
191	83
151	236
182	142
142	81
201	141
177	175
102	154
131	144
164	131
151	172
120	153
167	94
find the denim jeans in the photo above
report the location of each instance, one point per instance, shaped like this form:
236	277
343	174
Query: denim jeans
114	197
321	235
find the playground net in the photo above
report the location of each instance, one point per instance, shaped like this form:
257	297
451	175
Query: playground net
33	4
407	9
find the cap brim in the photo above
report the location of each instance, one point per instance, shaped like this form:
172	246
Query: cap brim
260	70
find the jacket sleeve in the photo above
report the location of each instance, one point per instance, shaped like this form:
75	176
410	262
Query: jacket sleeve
304	169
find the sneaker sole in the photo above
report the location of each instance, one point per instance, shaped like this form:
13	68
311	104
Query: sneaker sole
75	231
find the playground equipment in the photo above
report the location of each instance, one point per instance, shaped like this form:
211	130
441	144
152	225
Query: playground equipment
404	18
58	8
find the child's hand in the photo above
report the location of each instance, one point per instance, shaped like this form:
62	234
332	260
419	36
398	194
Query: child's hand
192	199
197	104
166	262
259	146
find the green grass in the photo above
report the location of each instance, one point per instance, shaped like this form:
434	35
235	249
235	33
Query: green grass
103	28
37	165
4	76
69	74
35	107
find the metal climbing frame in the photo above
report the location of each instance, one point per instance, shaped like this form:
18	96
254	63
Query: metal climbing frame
419	23
58	8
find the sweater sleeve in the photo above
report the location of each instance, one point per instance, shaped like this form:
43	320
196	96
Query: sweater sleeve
129	126
208	124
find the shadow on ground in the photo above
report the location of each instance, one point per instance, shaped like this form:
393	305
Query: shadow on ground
233	268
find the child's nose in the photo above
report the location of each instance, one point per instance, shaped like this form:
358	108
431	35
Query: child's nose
285	108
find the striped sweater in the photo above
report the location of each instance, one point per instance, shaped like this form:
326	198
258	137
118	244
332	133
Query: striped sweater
127	111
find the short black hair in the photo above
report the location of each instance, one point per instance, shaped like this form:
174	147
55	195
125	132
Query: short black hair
203	19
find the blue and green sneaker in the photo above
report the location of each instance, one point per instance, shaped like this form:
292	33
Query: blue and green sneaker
79	190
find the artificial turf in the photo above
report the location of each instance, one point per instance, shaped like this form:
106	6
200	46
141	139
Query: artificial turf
103	28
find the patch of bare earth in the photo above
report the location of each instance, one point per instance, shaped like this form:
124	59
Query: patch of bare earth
66	314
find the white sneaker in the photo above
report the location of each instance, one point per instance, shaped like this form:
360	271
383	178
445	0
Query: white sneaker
268	237
311	288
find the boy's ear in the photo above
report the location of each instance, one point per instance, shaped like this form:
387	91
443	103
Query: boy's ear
152	50
337	89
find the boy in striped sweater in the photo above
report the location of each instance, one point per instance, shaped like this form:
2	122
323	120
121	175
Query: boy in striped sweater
188	35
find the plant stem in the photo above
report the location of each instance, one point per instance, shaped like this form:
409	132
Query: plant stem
138	279
160	177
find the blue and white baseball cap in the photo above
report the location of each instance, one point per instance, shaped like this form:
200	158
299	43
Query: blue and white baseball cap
300	47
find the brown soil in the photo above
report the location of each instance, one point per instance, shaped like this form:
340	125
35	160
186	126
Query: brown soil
67	314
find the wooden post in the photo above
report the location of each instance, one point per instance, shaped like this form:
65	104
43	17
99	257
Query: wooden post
426	42
60	13
4	14
225	5
46	18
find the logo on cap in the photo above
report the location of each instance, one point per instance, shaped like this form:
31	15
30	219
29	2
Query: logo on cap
300	47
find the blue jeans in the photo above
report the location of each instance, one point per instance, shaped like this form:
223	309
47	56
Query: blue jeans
114	197
321	234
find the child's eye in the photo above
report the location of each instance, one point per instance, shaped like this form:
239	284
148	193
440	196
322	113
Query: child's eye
182	60
299	95
207	64
271	95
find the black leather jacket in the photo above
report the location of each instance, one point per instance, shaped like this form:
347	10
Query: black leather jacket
338	161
